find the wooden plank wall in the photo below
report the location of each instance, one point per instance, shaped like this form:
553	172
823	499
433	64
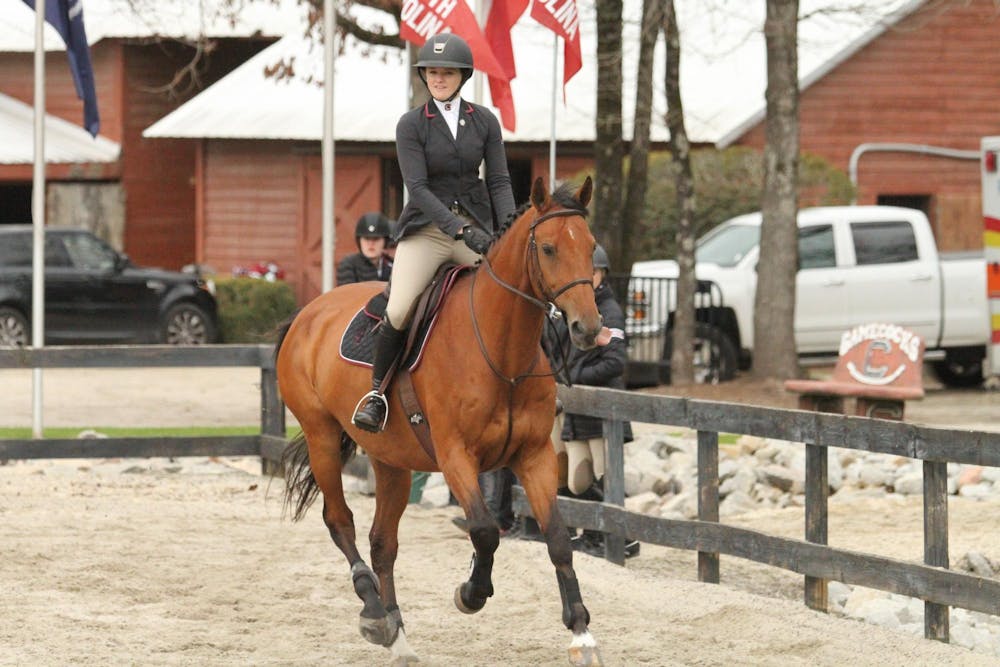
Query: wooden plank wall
929	80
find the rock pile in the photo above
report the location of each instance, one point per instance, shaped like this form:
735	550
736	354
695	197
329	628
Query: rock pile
661	480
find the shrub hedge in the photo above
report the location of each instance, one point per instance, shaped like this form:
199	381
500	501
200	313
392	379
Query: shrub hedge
251	309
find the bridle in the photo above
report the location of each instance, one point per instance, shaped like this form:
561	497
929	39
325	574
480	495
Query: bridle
535	272
549	306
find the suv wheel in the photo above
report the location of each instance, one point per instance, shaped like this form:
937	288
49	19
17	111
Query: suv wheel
14	331
187	324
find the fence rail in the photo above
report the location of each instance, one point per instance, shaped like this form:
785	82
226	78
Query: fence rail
930	581
267	445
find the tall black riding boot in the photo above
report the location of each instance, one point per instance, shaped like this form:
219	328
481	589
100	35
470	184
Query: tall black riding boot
372	410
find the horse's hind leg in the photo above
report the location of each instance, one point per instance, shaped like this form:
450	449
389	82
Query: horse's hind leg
537	472
392	491
324	438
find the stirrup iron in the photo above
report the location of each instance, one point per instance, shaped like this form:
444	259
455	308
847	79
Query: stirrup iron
373	394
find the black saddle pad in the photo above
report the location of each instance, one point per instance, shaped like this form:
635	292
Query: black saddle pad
357	345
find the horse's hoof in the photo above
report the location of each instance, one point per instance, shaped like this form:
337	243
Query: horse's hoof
381	631
583	651
467	606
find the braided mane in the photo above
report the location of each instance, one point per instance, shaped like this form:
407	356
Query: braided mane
564	195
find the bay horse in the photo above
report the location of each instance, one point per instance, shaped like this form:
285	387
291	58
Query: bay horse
488	396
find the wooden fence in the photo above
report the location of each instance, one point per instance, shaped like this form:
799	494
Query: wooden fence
268	444
930	581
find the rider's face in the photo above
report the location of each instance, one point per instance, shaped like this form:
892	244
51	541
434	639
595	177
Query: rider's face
443	81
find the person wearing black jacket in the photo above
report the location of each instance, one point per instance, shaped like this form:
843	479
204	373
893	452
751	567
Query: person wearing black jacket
372	234
580	446
451	215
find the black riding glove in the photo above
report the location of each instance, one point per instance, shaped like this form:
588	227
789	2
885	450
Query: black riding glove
477	240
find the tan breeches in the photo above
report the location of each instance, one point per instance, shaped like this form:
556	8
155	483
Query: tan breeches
417	259
580	461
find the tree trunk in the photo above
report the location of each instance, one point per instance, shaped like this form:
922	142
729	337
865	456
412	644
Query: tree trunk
418	89
638	171
608	148
774	353
682	355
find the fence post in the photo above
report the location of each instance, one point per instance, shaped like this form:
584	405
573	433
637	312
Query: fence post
614	487
936	625
817	492
708	499
272	410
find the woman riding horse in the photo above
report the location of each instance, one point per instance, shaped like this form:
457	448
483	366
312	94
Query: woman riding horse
440	146
487	405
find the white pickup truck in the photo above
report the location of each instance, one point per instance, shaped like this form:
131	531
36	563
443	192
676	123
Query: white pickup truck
858	264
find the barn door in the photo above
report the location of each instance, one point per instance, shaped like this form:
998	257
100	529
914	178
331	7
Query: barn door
358	190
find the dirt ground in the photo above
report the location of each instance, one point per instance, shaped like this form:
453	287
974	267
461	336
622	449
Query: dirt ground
190	562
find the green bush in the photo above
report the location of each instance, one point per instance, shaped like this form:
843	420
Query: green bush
250	309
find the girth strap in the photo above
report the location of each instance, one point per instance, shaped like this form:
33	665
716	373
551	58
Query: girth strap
415	413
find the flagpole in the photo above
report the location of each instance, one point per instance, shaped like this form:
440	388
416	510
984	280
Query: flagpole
38	221
552	118
329	227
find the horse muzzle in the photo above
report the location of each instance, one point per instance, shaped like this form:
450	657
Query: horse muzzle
584	332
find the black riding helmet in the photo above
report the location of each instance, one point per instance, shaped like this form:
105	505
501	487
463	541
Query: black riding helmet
601	260
373	225
445	50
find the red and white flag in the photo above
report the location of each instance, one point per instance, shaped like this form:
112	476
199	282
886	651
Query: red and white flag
561	17
503	15
422	19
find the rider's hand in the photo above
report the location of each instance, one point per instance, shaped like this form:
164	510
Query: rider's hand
477	240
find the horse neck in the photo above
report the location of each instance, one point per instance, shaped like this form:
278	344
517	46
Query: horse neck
518	330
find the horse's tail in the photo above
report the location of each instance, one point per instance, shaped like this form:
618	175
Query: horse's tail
300	483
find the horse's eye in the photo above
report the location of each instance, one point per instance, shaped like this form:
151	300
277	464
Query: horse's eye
548	249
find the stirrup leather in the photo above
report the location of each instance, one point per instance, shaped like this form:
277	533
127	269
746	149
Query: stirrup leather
372	395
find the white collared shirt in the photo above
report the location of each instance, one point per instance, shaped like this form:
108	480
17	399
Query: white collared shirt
450	112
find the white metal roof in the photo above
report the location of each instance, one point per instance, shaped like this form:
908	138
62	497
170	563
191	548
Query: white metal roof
64	141
723	77
156	18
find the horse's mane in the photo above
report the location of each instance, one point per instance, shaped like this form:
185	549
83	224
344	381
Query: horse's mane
564	195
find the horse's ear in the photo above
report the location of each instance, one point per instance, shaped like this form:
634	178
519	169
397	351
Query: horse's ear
539	195
585	192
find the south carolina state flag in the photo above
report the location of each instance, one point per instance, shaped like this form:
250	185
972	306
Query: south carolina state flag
66	16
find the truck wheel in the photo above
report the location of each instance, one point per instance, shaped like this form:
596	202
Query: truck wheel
187	324
715	357
14	328
959	369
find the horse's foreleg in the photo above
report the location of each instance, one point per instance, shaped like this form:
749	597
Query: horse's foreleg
463	479
392	490
537	472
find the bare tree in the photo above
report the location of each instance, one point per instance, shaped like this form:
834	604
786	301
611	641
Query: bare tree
682	356
608	144
638	157
774	306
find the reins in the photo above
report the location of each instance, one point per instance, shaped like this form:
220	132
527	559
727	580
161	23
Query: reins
549	307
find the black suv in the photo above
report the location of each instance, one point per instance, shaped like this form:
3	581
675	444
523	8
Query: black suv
94	294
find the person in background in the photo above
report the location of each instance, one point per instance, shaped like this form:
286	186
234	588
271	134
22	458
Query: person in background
373	234
580	447
452	214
